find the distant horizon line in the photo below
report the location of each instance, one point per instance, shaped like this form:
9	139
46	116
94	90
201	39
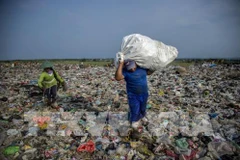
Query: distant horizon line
54	59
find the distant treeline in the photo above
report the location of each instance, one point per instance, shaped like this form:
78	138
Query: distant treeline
210	60
58	60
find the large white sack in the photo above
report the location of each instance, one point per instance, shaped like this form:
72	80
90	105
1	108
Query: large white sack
146	52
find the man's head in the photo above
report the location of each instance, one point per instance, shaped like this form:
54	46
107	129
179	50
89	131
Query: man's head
47	69
130	65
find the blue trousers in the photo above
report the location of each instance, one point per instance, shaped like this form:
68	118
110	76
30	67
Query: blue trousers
137	105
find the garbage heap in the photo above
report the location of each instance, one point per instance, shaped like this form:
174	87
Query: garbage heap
193	113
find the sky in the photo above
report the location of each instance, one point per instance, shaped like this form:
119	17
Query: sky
76	29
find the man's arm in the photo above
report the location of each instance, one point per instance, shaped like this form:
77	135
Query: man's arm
58	77
40	80
118	75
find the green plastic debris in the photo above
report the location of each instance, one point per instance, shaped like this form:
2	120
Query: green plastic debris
206	93
149	106
182	143
4	121
144	150
82	122
11	150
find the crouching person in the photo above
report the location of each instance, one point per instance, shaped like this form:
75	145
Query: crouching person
48	82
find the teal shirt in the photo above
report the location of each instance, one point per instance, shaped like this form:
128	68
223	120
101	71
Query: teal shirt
46	81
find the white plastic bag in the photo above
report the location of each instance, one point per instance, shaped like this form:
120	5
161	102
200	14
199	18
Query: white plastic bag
146	52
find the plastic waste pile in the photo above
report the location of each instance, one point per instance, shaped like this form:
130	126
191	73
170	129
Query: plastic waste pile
193	112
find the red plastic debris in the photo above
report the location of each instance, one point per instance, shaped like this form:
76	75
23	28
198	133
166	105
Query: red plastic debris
190	157
88	147
171	154
191	144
